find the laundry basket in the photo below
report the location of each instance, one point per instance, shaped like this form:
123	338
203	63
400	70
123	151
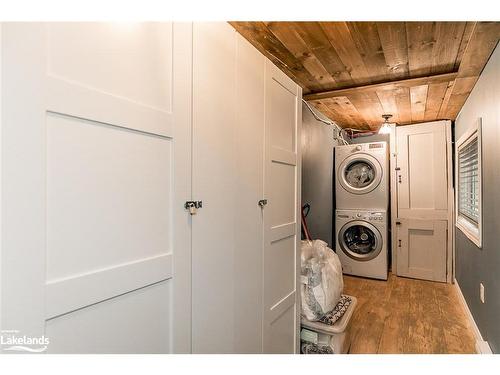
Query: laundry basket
330	339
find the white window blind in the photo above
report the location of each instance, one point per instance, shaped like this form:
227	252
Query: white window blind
468	173
468	180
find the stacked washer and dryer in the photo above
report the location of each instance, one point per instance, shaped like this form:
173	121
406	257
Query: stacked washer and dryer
362	201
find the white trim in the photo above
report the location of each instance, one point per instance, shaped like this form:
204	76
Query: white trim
280	307
450	256
75	292
473	232
393	196
482	346
283	231
1	171
298	213
74	99
283	156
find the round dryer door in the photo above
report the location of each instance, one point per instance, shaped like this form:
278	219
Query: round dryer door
360	240
360	173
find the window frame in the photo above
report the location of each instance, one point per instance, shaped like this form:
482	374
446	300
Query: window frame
466	225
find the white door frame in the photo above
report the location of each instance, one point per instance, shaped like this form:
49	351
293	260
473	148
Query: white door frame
393	197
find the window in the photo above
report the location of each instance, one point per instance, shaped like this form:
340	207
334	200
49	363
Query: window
468	201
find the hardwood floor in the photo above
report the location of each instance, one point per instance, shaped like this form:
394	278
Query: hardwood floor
403	315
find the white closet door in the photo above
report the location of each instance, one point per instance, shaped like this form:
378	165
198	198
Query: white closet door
249	185
281	224
214	168
424	191
95	149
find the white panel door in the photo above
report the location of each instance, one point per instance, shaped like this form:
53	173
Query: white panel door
420	249
423	174
281	228
424	191
214	168
249	185
96	168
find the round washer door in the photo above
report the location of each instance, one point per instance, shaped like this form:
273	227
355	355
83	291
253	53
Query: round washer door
360	240
360	173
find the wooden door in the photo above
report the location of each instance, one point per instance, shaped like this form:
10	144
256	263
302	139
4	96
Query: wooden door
95	171
281	228
423	200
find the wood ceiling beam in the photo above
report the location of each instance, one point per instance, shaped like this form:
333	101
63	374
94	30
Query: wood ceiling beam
391	85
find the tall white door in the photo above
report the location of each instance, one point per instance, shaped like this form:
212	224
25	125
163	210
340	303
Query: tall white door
281	228
423	206
249	185
95	250
214	167
228	174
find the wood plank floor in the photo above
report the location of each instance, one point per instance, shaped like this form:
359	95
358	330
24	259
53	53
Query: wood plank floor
403	315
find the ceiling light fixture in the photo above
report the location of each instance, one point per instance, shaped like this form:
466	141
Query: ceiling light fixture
386	126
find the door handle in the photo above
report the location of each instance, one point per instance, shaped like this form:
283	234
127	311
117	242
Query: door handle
193	206
262	203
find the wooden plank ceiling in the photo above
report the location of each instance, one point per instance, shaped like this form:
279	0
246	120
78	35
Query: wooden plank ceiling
354	72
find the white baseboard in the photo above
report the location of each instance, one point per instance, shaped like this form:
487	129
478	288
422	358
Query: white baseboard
482	346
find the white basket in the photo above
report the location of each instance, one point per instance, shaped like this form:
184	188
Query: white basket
336	336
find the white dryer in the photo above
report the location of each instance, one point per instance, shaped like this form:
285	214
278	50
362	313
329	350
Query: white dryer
361	242
362	176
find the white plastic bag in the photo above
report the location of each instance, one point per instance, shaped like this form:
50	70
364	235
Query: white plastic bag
321	279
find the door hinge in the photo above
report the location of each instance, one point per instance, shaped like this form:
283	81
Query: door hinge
193	206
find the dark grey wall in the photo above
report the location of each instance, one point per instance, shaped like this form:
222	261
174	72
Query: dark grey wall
317	169
475	265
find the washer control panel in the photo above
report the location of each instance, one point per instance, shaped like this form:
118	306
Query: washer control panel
367	216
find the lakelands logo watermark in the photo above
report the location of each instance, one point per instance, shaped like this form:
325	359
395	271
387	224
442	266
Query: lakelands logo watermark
13	341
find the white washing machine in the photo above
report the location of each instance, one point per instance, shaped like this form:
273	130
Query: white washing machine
362	242
362	176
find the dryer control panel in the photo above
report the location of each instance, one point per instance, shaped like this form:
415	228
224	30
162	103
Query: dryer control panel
367	147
